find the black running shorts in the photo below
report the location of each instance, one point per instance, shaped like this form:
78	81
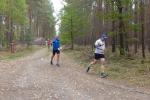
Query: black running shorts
56	52
99	56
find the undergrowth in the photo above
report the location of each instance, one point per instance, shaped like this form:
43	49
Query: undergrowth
132	69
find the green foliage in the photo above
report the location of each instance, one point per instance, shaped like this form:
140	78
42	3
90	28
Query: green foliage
16	10
43	13
112	33
20	14
132	40
135	27
1	38
75	18
28	36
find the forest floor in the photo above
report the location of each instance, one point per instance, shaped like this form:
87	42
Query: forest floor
132	70
19	52
33	78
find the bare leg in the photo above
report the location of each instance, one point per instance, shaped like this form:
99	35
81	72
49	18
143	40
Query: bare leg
102	65
103	74
58	55
92	63
52	59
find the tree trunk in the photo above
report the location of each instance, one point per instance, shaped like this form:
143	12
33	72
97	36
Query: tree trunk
149	43
135	32
11	30
113	38
37	27
142	30
113	30
71	33
30	18
121	27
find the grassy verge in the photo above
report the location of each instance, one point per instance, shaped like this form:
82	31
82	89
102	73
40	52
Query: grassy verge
127	69
6	55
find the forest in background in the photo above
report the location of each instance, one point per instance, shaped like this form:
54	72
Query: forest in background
82	22
127	24
126	21
21	21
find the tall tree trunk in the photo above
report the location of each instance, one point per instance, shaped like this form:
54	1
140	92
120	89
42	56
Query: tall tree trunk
11	30
142	30
135	43
113	30
12	45
121	26
149	43
113	38
30	18
126	42
71	33
148	28
7	32
37	27
135	31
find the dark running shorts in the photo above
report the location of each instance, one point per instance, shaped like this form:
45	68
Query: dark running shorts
56	51
99	56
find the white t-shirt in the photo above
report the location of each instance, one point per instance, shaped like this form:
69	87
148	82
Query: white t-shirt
100	46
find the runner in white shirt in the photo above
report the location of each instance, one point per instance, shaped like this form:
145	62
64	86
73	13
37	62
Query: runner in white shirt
99	54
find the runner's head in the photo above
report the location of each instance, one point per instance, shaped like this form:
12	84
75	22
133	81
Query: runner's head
104	36
57	37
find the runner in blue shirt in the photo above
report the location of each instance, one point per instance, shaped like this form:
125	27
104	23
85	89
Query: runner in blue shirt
56	50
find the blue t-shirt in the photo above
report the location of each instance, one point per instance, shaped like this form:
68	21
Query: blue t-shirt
56	44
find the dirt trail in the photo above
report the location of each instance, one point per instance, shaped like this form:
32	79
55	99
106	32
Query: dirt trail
33	78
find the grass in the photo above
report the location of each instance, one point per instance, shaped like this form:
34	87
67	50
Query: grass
129	69
7	55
